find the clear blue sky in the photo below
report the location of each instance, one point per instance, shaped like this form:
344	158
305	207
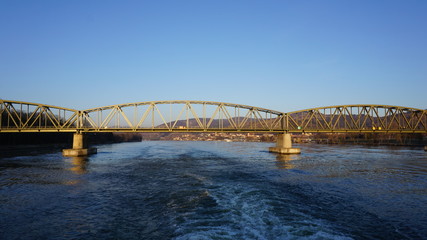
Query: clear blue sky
283	55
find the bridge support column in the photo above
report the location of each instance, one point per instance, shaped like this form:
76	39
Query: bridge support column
79	147
284	145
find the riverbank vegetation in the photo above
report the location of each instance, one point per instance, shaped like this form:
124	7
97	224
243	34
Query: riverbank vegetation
393	139
65	138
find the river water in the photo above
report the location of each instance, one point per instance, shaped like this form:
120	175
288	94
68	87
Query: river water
216	190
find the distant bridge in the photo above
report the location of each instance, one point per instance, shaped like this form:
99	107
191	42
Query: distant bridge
206	116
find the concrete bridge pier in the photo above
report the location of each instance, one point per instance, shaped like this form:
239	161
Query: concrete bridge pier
80	148
284	145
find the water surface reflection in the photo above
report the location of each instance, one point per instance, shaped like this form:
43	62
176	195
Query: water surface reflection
79	165
204	190
286	161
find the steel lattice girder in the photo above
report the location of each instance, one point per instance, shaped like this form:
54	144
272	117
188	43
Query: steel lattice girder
18	116
359	118
207	116
179	115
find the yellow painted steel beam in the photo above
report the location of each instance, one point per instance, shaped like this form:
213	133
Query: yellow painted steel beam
37	104
340	118
195	130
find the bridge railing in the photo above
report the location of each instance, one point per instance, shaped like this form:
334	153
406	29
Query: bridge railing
24	116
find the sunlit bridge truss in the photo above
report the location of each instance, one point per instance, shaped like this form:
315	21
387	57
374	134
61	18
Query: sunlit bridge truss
181	116
358	118
206	116
32	117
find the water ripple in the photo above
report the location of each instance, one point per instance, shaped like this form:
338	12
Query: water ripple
205	190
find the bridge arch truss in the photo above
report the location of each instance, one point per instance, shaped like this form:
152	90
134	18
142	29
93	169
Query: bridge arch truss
208	116
182	116
358	118
16	116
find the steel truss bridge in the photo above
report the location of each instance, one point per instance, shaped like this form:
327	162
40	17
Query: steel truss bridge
206	116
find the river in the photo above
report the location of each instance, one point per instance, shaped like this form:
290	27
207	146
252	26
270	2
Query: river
216	190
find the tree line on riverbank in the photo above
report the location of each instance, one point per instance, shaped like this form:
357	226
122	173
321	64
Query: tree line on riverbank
65	139
391	139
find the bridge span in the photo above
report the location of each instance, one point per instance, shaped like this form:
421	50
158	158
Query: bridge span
208	116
